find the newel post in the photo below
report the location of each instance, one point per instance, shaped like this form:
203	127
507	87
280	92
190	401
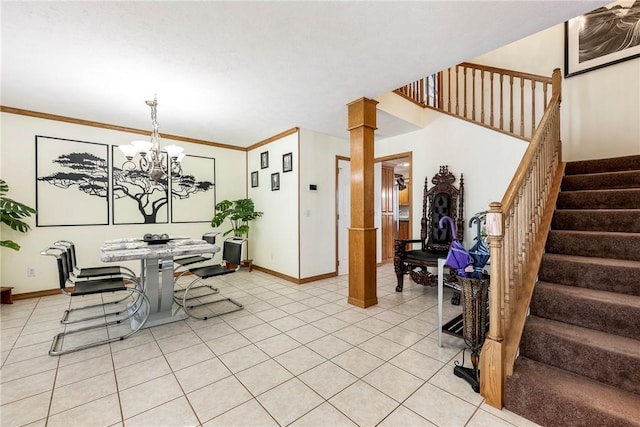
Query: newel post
492	356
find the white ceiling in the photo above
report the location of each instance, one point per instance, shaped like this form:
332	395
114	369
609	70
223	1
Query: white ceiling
240	72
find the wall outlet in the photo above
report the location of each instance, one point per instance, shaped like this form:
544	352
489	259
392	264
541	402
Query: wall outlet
31	271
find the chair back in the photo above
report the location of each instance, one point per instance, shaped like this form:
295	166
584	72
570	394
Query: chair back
60	255
232	250
442	199
70	253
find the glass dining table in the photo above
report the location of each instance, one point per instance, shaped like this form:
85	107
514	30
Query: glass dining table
156	271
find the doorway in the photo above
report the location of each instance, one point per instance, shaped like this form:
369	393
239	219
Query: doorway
396	202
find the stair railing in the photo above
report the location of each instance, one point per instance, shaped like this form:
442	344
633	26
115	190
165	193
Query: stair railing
517	227
503	100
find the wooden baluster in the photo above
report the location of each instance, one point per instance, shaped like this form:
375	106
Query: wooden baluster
492	107
511	104
464	95
521	107
473	94
533	107
457	91
482	96
423	98
501	102
449	89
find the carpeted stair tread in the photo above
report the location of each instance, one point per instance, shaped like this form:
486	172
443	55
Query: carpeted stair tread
624	198
604	357
604	311
606	274
603	180
594	244
554	397
613	164
623	220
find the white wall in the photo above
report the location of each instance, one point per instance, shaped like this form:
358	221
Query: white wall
600	108
487	159
17	149
318	153
273	238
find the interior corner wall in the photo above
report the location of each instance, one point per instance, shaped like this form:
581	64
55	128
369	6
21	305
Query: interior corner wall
273	238
318	246
487	159
18	166
600	108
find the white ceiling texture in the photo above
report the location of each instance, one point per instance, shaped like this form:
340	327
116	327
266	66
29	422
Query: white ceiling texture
239	72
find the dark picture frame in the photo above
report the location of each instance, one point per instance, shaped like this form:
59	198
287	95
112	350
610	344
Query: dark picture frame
254	179
264	160
287	162
275	181
72	182
193	193
600	38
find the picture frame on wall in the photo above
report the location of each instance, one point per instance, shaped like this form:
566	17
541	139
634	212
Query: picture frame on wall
135	197
254	179
72	182
275	181
287	162
193	192
601	38
264	160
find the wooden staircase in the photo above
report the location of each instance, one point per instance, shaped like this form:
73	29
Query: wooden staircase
579	361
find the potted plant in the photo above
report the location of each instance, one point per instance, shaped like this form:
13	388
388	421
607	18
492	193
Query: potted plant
11	214
239	212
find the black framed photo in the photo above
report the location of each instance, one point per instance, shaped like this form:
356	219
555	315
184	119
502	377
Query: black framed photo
287	162
275	181
602	37
72	182
254	179
264	160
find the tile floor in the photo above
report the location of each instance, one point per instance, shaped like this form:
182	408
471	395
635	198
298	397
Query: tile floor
295	355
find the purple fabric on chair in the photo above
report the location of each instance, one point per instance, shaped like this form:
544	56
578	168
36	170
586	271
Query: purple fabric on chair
457	257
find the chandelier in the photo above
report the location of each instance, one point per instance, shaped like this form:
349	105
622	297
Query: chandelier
152	160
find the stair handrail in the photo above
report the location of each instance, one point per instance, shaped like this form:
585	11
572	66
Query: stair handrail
503	100
517	228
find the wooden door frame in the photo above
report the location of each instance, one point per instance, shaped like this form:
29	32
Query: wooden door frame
409	155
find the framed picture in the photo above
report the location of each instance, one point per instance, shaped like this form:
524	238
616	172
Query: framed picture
254	179
136	198
275	181
602	37
72	182
264	160
193	192
287	162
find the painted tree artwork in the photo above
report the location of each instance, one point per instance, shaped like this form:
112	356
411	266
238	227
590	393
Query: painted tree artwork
137	199
72	182
73	186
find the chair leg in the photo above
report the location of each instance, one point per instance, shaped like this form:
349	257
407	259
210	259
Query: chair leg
58	340
188	307
67	313
400	276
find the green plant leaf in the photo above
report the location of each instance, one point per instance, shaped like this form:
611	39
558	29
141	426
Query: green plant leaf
10	244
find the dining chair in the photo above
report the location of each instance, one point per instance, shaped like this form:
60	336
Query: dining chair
193	259
198	294
77	272
133	311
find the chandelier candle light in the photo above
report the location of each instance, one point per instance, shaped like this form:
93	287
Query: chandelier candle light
152	160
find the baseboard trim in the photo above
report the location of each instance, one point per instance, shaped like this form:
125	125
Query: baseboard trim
36	294
295	279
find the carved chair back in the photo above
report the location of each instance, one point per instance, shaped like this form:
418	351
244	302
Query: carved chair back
443	199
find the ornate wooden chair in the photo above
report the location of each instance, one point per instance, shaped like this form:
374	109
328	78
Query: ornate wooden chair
440	200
